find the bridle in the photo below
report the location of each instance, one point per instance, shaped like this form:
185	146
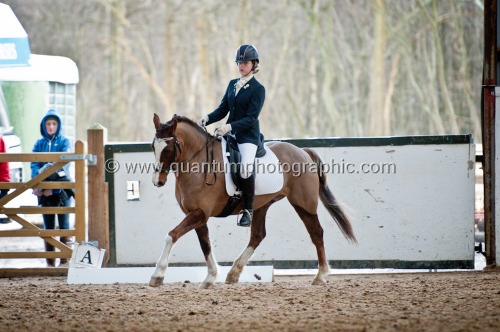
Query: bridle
178	150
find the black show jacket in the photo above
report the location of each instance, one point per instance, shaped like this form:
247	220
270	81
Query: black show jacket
243	109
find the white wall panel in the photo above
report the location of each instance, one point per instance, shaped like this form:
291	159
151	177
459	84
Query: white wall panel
422	211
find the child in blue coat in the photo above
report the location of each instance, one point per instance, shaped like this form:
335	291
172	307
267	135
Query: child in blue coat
53	141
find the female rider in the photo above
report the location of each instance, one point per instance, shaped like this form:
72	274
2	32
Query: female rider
243	100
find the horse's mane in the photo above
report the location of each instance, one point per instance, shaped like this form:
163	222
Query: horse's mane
180	118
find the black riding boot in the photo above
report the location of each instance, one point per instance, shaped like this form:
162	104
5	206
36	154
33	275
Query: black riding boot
247	193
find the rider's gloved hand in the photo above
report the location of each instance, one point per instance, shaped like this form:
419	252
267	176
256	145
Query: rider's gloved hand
203	121
220	131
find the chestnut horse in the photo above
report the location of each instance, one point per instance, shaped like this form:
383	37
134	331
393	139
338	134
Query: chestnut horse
202	194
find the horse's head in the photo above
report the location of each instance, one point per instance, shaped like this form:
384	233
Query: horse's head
176	142
166	147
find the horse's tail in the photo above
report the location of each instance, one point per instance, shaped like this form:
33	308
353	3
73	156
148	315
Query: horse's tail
329	201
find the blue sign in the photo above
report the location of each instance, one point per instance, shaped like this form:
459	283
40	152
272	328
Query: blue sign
14	52
14	43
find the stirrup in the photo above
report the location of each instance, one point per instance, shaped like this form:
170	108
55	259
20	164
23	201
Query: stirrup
246	218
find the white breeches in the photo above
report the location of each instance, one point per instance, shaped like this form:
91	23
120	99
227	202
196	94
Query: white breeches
247	151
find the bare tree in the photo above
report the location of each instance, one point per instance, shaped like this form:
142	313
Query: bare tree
379	121
330	68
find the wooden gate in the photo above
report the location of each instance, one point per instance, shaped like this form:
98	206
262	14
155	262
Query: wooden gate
30	230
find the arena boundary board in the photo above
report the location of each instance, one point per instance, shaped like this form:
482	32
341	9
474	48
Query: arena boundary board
420	218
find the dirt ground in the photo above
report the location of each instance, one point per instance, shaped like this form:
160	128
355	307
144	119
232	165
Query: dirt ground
443	301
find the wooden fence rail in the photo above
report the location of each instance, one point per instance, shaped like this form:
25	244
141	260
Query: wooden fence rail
30	230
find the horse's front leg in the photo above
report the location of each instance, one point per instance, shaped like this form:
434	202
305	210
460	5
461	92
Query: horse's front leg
206	247
192	220
258	233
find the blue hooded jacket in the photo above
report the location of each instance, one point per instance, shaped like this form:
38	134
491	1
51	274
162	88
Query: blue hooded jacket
56	143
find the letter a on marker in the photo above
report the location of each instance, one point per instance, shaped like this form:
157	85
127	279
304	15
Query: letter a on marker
87	256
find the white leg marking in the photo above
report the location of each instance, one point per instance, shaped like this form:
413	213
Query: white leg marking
156	178
162	263
244	256
239	264
212	270
323	272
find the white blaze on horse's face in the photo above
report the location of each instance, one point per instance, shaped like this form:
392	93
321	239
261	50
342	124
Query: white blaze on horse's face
159	144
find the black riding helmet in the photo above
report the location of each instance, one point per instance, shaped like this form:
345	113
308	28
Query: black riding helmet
246	53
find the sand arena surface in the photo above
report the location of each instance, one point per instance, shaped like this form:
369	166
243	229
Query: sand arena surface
444	301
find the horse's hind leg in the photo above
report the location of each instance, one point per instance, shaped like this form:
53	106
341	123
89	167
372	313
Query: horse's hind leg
315	231
192	220
206	247
258	233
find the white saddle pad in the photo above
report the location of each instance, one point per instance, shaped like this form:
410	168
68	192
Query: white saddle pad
269	176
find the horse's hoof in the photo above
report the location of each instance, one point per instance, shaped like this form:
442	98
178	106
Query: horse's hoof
205	285
231	280
318	282
156	281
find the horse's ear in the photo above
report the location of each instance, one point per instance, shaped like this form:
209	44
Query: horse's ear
156	121
174	124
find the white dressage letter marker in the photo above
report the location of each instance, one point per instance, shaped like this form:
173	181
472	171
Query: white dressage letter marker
87	256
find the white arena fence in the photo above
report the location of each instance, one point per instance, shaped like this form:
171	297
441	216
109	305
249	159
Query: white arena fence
410	200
